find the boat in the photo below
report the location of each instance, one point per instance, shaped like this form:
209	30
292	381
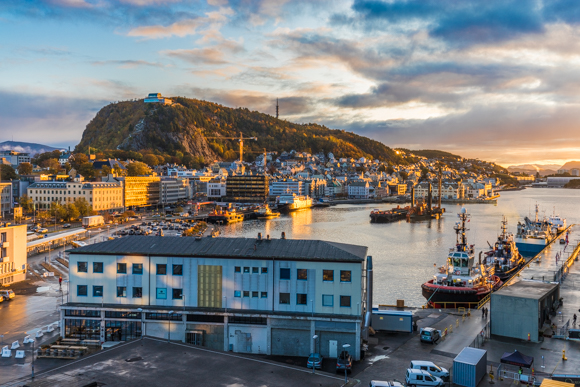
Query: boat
293	202
533	235
504	258
393	215
225	216
558	224
264	212
460	282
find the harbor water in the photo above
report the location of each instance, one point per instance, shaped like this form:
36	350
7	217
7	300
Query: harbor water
405	254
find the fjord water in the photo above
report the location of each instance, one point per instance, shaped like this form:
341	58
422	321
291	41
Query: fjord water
404	253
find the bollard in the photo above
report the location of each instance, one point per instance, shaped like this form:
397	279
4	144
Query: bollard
528	337
451	328
564	355
457	323
463	318
469	312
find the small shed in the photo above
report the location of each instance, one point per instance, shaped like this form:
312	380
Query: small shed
392	320
469	367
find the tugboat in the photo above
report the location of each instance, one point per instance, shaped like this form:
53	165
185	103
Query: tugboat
264	212
533	235
459	283
225	216
504	258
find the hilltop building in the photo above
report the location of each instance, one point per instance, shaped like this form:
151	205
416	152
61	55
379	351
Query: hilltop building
157	98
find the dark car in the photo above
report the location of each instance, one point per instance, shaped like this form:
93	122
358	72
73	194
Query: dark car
344	362
314	360
66	225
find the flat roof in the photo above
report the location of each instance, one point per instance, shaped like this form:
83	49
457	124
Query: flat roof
527	289
277	249
56	237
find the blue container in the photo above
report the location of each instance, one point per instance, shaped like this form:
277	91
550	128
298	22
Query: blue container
469	367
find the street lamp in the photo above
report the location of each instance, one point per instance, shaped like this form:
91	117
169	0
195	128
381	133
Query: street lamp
142	324
314	349
169	333
345	346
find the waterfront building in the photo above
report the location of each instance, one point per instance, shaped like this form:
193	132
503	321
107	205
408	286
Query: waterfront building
101	196
158	98
262	296
6	202
247	189
559	182
449	190
12	254
174	190
288	187
216	189
359	190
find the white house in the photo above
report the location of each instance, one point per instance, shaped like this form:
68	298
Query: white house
359	190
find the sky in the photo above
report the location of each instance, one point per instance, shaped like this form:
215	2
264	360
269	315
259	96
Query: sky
495	80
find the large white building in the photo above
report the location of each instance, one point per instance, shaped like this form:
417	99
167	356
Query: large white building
102	196
267	296
359	190
174	190
12	254
288	187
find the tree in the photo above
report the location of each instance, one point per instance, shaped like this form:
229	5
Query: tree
78	159
424	173
179	209
86	170
118	171
84	208
52	165
105	170
71	211
138	168
129	213
24	169
403	175
42	215
57	211
26	202
151	160
7	172
390	170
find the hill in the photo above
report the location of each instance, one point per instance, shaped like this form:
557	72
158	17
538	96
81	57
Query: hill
531	169
27	147
187	128
432	154
571	164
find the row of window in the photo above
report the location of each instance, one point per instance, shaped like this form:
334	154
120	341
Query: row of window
161	294
327	275
83	267
327	299
238	293
255	270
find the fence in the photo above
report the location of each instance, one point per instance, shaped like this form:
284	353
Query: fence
483	336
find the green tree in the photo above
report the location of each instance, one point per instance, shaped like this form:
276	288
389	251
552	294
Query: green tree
71	211
24	169
390	170
7	172
105	170
424	173
179	209
57	211
138	168
78	159
86	170
151	160
84	208
26	202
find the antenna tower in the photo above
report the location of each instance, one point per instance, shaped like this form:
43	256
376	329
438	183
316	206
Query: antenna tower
277	107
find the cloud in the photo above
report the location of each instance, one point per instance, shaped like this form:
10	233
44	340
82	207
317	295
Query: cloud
215	55
180	29
127	64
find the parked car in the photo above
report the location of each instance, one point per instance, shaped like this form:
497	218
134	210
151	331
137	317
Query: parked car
7	294
380	383
314	360
344	362
430	367
66	225
42	231
415	378
430	335
1	299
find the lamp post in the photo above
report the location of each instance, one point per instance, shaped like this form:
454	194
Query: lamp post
142	324
33	341
345	346
169	333
314	348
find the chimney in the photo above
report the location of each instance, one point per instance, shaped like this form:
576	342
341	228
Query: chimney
268	237
283	235
259	236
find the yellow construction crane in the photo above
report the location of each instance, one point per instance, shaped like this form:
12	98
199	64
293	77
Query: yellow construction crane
241	139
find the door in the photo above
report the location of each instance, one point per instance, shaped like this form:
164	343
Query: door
333	348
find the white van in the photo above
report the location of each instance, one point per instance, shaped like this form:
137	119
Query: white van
430	367
422	378
380	383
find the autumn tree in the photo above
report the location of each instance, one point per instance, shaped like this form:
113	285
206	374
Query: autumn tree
138	168
7	172
24	169
72	212
84	208
151	160
78	159
26	202
86	170
52	165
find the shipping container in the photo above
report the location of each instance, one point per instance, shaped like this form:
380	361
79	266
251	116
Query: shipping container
392	320
93	221
469	367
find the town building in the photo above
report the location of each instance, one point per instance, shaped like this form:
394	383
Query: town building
6	202
216	189
247	189
15	158
141	191
559	182
174	190
261	296
158	98
449	190
101	196
288	187
359	190
12	254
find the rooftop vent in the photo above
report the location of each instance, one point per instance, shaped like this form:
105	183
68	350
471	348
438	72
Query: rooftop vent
283	235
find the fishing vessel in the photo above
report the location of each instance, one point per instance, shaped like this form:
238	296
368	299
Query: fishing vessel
558	224
293	202
264	212
225	216
504	257
533	235
460	282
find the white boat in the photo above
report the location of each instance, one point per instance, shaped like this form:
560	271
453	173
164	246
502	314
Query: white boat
558	223
533	235
293	202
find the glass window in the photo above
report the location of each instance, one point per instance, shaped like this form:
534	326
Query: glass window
285	298
246	269
246	293
137	292
327	300
345	301
97	267
301	299
82	290
264	294
328	275
264	270
255	270
345	276
121	291
97	291
137	268
177	269
161	293
302	274
284	274
161	269
237	269
82	267
255	294
237	293
177	294
122	268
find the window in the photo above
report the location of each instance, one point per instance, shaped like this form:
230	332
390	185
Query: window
255	270
161	293
177	294
255	294
246	293
345	276
205	318
82	267
177	269
246	269
248	320
121	291
163	316
137	292
328	275
97	291
137	268
161	269
97	267
264	270
264	294
301	299
237	269
284	274
82	313
82	290
285	298
122	268
327	300
237	293
345	301
302	274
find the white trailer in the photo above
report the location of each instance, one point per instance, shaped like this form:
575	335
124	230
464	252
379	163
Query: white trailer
93	221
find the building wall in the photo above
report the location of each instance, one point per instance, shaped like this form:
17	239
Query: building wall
503	309
13	258
101	196
142	191
5	197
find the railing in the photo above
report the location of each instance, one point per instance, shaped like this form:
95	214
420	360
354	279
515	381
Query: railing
482	337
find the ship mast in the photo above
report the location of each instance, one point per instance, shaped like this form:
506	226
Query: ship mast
460	230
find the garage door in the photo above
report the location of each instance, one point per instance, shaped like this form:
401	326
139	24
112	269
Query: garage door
290	342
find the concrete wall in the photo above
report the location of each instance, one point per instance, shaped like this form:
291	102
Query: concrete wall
213	334
291	342
503	323
248	338
161	329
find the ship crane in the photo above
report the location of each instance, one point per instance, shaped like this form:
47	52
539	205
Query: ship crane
241	139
